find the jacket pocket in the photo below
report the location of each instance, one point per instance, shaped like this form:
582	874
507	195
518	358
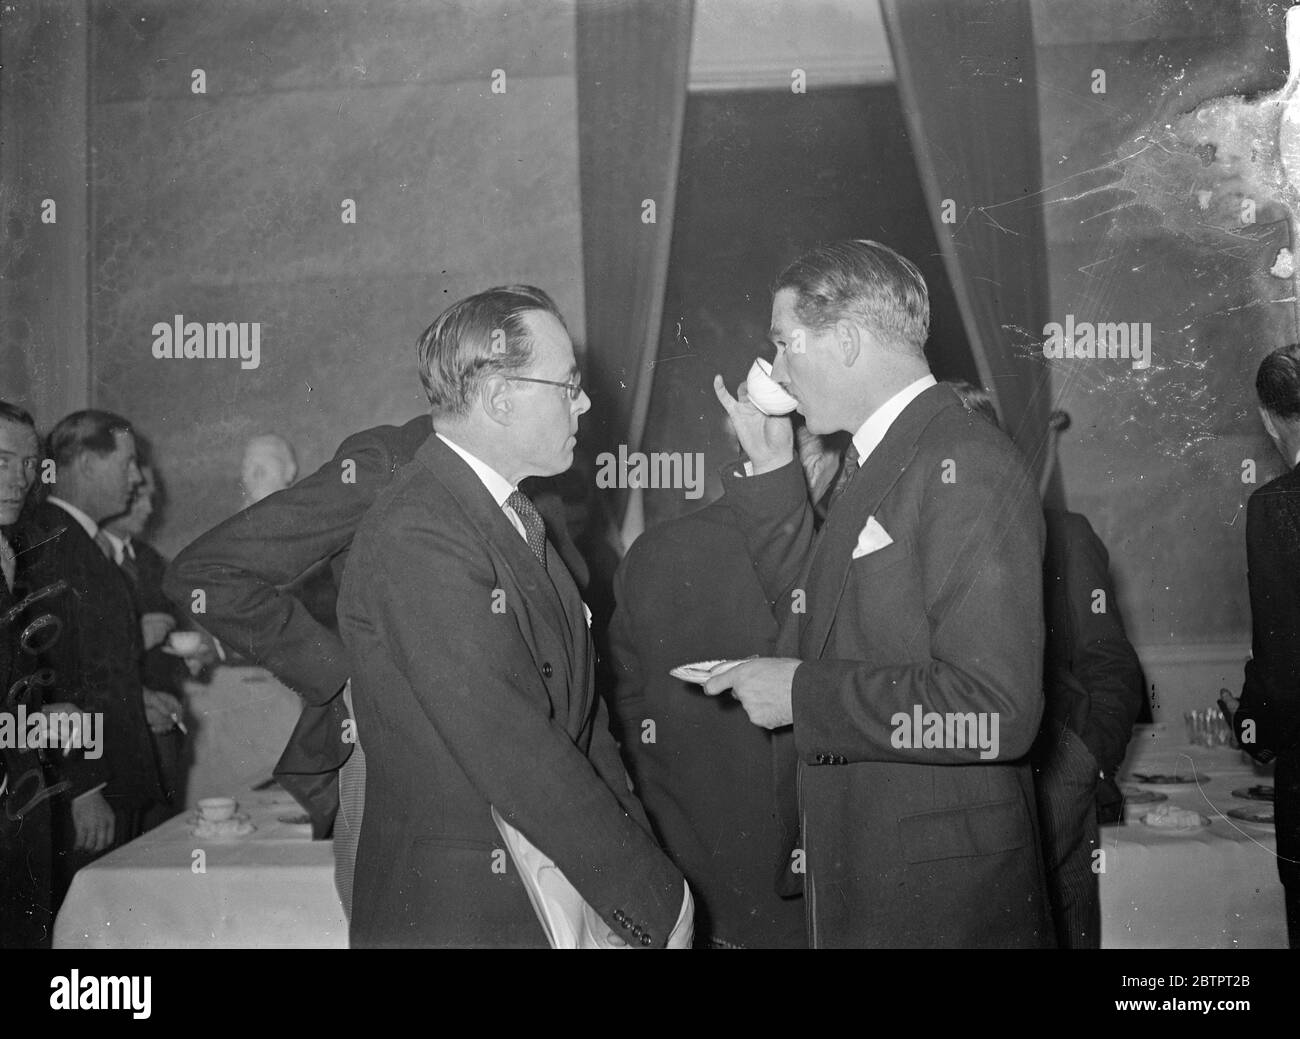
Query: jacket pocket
951	833
872	562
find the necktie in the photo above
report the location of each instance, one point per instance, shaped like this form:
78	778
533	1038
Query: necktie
8	562
129	566
848	470
105	546
532	521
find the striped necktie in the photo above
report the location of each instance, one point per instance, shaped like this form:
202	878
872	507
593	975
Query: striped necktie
532	521
848	470
129	565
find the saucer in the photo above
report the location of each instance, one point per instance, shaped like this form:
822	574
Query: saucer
238	825
701	671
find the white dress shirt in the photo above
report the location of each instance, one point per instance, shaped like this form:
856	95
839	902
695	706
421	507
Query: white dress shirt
498	486
872	432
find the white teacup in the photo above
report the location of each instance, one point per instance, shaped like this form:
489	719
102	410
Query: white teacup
765	392
217	809
186	643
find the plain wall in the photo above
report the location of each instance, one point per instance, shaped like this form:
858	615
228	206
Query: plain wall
226	206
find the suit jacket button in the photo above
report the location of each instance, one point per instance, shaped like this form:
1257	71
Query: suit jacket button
619	915
646	939
547	670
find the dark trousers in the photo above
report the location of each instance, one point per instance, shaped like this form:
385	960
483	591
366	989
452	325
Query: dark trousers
26	913
1065	779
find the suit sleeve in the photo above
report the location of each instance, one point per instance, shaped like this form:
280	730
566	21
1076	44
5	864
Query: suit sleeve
242	564
83	673
1103	659
773	512
980	550
479	686
1270	696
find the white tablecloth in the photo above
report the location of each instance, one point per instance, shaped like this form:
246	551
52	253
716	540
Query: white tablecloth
271	889
1216	888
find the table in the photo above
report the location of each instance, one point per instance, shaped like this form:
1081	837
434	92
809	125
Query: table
272	889
1216	888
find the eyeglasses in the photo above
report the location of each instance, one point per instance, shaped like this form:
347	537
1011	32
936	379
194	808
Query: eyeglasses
573	384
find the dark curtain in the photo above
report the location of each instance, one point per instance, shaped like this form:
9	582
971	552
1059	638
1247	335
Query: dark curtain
632	58
967	82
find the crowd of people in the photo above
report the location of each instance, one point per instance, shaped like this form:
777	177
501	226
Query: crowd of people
913	744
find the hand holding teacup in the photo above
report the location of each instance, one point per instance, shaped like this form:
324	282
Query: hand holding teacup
766	438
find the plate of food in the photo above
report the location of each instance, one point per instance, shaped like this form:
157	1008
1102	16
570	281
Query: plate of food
1259	792
1135	795
702	670
1172	819
1170	779
1259	814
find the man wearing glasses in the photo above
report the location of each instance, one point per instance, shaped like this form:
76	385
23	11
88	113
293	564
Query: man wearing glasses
473	676
252	568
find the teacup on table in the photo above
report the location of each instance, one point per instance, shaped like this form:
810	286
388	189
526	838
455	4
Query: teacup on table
765	393
217	809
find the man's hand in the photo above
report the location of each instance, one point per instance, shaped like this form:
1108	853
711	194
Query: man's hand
767	439
155	627
93	822
763	688
159	708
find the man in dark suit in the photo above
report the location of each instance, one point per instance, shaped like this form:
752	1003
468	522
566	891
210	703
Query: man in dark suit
96	657
25	844
1267	720
162	674
916	618
250	569
472	664
687	591
1095	689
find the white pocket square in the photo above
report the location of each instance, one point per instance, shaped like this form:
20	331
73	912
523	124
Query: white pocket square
871	538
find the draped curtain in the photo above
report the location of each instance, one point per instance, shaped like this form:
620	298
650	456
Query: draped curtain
632	65
967	82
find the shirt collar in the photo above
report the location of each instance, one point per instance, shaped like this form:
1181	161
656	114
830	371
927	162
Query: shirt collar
498	486
87	524
121	546
872	432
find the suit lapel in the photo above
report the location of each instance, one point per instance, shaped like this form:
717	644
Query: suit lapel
463	485
832	558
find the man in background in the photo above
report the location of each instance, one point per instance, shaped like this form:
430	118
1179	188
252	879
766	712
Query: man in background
269	465
163	675
1095	689
687	591
96	657
25	842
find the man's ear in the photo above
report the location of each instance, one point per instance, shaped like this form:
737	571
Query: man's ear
848	341
496	400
